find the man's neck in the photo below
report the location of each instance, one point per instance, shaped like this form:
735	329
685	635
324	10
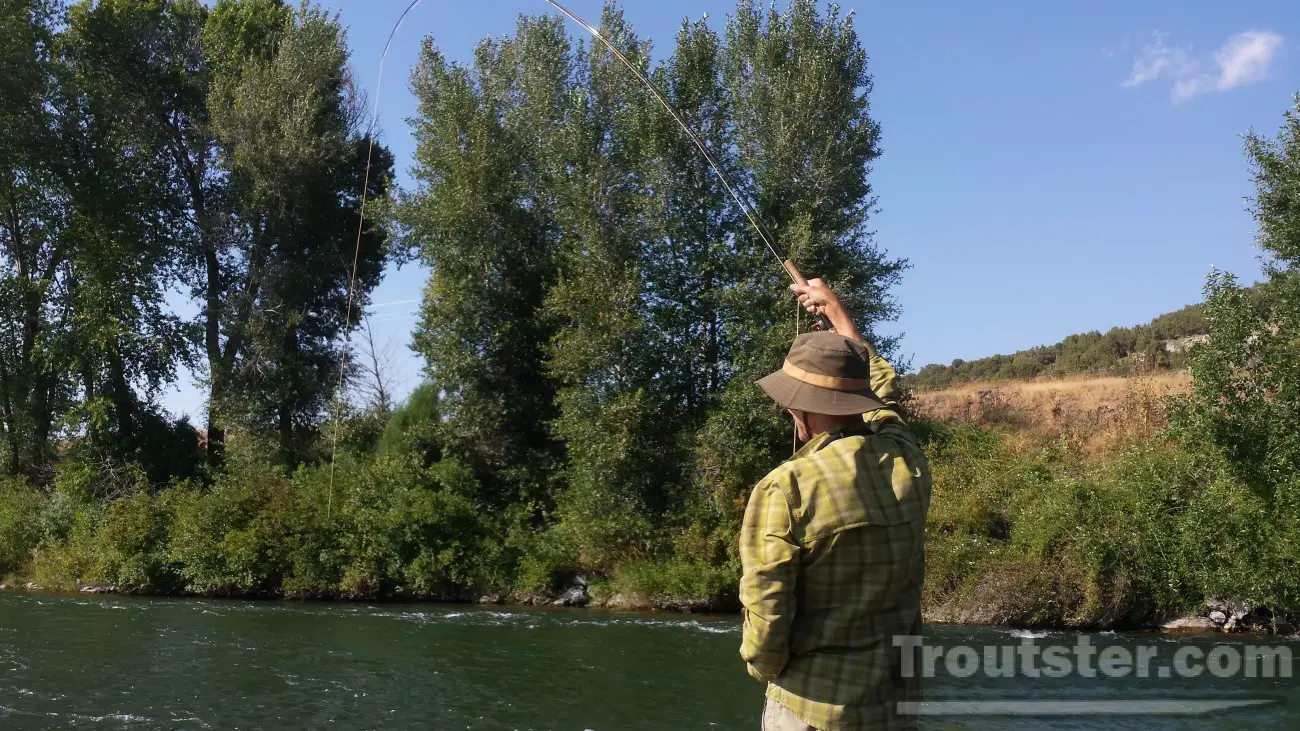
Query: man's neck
820	424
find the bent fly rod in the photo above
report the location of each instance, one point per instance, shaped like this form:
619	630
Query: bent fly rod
820	322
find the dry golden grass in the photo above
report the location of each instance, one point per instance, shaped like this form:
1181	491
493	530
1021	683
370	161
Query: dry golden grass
1094	414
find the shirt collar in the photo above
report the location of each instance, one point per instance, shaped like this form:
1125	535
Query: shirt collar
821	440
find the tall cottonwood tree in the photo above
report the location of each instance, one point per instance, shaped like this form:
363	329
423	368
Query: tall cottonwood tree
34	245
151	144
799	89
482	217
128	243
149	57
690	256
1246	394
288	127
605	358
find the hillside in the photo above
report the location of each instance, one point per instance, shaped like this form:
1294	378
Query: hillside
1161	344
1096	415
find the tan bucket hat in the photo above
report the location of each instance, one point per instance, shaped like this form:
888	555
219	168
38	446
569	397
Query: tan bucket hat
824	373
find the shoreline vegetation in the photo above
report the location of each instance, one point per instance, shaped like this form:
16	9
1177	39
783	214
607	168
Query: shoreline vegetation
597	312
1052	510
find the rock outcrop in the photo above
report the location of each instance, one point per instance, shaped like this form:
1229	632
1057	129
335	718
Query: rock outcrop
1219	615
576	595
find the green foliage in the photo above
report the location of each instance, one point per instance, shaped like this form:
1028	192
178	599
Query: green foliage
480	219
1120	351
597	312
414	425
1036	535
20	508
152	145
285	119
674	581
128	548
1245	404
1246	398
599	305
386	527
228	540
1020	532
35	387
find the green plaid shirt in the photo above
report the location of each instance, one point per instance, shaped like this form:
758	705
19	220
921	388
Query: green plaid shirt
832	550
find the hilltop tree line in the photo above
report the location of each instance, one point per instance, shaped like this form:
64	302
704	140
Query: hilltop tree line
1119	351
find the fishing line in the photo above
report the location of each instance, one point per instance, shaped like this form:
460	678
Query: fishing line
794	439
356	253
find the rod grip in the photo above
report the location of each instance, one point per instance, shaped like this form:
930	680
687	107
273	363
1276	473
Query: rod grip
820	322
795	274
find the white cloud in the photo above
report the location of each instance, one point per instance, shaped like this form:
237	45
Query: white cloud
1245	58
1159	61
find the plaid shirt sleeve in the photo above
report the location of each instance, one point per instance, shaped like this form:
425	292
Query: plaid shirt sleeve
884	379
769	558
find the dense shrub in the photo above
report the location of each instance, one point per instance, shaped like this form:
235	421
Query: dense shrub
413	426
385	526
129	546
20	508
1020	531
1029	533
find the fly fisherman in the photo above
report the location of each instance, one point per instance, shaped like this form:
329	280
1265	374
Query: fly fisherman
832	545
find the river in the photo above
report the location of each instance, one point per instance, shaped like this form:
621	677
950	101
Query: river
133	663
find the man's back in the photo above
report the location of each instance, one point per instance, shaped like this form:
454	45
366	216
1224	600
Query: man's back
833	544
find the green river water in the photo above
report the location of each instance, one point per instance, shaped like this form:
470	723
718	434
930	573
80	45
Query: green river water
130	663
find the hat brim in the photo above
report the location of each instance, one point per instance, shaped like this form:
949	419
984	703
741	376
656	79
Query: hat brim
800	396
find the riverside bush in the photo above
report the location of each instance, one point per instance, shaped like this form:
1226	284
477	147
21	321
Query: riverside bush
674	580
19	524
129	544
1027	533
388	526
1021	531
238	536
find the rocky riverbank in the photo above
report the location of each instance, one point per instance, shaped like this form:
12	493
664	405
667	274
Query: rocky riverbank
1231	616
579	594
1216	615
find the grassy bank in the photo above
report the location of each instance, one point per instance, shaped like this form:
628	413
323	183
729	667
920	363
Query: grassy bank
1043	515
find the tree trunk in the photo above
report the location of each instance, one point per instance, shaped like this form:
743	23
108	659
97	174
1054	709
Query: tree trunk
192	171
123	399
10	426
42	422
288	454
216	435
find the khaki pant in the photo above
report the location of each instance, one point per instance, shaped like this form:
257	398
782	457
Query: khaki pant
777	717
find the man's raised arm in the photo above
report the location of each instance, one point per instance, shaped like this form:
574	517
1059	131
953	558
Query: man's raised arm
819	299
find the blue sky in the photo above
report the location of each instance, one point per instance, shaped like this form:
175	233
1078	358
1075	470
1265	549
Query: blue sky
1048	168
